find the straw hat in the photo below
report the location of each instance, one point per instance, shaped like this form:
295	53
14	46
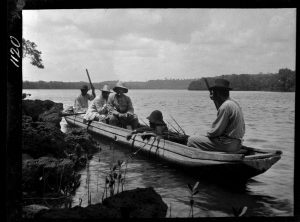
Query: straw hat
221	84
156	117
105	88
120	85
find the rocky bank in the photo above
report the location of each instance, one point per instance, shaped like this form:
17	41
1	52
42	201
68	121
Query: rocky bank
51	158
50	163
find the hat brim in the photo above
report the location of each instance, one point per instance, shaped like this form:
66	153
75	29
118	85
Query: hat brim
116	87
220	87
106	91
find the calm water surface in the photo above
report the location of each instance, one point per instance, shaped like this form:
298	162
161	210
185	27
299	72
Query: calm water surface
269	118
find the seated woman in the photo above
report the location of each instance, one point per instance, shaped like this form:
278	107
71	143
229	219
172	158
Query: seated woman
98	109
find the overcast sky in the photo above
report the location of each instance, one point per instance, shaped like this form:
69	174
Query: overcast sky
144	44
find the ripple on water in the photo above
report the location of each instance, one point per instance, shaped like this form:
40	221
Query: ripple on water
255	140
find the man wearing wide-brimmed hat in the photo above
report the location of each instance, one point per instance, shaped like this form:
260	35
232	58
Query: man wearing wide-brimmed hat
227	131
98	109
121	111
81	102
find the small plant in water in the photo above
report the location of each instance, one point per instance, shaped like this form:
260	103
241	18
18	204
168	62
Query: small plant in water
113	179
117	175
239	212
193	191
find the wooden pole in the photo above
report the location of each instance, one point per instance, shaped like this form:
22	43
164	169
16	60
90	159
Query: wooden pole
87	72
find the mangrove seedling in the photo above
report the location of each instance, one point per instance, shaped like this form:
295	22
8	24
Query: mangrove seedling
193	191
239	212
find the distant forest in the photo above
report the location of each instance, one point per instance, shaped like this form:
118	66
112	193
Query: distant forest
283	81
151	84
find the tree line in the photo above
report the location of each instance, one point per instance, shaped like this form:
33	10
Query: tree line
151	84
283	81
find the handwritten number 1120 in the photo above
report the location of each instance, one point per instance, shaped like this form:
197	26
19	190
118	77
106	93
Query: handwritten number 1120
15	51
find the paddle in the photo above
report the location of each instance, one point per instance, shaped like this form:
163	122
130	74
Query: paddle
87	72
92	87
210	91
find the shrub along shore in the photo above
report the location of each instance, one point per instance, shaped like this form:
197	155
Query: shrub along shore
51	160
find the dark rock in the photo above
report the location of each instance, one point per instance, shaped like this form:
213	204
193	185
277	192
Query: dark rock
52	115
138	203
42	139
39	110
80	136
48	174
30	211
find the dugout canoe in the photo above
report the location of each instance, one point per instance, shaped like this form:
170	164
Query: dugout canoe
251	162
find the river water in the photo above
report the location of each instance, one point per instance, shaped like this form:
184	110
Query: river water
269	118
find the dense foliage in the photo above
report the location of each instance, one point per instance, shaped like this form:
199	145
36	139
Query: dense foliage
283	81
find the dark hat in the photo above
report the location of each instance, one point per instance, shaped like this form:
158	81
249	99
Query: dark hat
84	87
121	86
221	84
105	88
156	117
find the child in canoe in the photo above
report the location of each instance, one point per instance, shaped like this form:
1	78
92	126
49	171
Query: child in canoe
158	128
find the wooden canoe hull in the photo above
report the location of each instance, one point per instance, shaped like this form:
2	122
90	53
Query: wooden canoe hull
189	158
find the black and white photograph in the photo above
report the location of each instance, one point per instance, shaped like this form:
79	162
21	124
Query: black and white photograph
155	112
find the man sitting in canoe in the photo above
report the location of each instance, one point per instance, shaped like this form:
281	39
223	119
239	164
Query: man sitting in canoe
228	129
98	109
121	112
81	102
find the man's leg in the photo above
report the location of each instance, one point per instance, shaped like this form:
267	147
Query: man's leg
113	120
216	144
132	121
202	142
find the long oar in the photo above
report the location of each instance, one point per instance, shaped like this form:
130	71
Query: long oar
177	124
87	72
210	91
